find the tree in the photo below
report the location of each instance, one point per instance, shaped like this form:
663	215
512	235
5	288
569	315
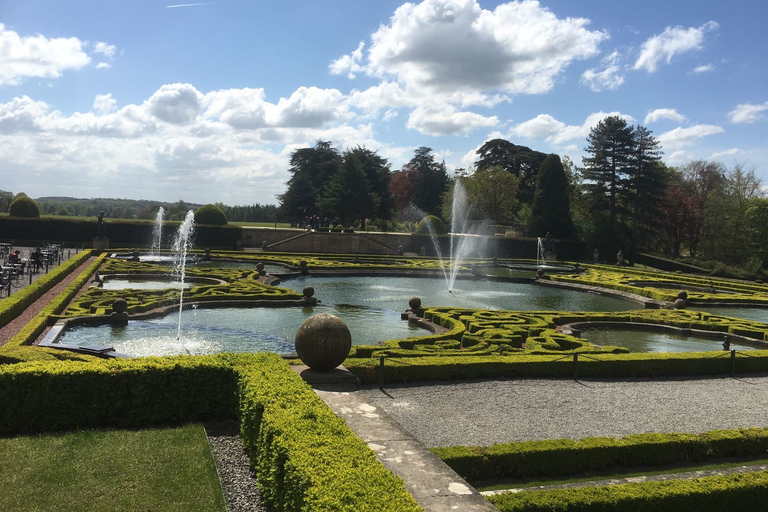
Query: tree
520	161
311	169
402	187
610	146
24	206
551	210
378	177
647	185
431	181
348	194
5	200
492	194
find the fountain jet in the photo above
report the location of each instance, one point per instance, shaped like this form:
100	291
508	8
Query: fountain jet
180	247
157	232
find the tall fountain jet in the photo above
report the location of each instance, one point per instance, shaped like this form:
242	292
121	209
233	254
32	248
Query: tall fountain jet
157	232
180	247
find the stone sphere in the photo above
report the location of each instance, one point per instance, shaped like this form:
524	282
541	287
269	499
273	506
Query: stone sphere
308	291
323	342
540	272
259	266
682	295
120	306
681	304
414	303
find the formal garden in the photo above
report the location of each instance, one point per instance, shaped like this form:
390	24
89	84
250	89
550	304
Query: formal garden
304	456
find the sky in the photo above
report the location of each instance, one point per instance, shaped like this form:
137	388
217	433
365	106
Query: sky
206	101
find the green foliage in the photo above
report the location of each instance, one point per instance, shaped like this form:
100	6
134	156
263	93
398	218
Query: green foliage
743	492
210	214
520	161
24	206
551	210
431	225
349	194
491	193
431	180
563	457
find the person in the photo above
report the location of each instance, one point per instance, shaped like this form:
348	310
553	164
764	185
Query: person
14	258
36	260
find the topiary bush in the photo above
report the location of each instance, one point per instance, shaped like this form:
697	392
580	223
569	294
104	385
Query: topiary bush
210	214
431	224
24	206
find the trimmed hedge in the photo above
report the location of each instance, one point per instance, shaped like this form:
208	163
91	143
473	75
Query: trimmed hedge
307	459
12	306
562	457
743	492
24	206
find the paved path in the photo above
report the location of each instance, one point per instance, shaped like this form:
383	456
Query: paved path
480	413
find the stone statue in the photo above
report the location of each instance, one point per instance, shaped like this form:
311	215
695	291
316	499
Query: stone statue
620	257
100	229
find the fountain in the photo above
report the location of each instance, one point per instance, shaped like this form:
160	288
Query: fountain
180	246
157	232
541	253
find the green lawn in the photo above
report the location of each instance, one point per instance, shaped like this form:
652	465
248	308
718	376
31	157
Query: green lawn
162	470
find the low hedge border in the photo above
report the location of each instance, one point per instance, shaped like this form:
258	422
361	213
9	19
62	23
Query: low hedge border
563	457
306	459
12	306
743	492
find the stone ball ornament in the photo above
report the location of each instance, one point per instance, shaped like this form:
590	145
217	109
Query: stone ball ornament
323	342
681	304
120	306
414	303
682	295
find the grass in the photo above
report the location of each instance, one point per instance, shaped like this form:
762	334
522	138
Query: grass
164	470
678	468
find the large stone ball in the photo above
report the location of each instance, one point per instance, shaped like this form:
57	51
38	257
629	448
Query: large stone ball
308	291
682	295
323	342
415	303
681	304
120	306
259	266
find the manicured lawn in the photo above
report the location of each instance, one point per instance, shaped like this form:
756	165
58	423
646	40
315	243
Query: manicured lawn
162	470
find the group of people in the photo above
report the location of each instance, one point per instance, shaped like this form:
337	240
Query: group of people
36	259
314	222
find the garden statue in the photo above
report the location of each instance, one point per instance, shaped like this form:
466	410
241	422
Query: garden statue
100	225
595	255
620	257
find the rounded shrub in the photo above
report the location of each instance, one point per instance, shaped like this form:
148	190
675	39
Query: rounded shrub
210	214
24	206
431	224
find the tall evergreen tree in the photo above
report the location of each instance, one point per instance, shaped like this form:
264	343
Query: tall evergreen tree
647	185
521	161
348	195
378	176
551	210
311	169
431	181
608	166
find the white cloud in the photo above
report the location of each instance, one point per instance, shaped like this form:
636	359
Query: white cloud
22	115
727	152
704	68
103	65
349	64
673	41
37	56
308	107
678	157
609	78
108	50
389	115
747	113
445	120
679	138
444	46
104	103
664	113
175	103
550	129
239	108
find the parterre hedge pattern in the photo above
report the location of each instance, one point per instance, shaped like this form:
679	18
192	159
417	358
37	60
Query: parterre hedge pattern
562	457
744	492
306	459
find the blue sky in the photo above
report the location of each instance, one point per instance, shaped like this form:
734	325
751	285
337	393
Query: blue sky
205	101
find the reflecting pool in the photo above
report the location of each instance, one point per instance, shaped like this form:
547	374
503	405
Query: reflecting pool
655	341
142	284
755	314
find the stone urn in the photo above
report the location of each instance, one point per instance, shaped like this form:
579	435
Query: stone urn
323	342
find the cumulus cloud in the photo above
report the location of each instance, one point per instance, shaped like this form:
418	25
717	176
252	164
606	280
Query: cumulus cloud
175	103
679	138
673	41
22	115
664	113
308	107
747	113
104	103
440	46
349	64
107	50
609	78
37	56
239	108
445	120
557	132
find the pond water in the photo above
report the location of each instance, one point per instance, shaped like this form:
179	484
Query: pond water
142	284
755	314
655	341
210	331
395	292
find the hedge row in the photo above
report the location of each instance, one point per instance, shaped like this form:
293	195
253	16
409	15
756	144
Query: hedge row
123	232
561	457
306	458
29	333
430	368
743	492
12	306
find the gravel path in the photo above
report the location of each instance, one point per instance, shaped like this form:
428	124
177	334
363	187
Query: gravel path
237	479
480	413
10	329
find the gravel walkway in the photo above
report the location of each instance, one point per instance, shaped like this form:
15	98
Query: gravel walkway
238	481
9	330
480	413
